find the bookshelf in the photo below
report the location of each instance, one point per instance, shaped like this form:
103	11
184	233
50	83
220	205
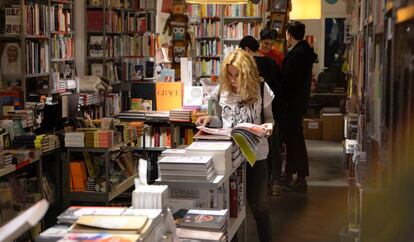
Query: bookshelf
41	35
379	95
121	39
217	29
106	169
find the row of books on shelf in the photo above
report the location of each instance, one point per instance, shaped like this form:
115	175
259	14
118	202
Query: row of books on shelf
131	131
62	47
19	157
25	118
244	10
207	28
118	22
208	67
97	139
124	4
208	48
42	142
61	19
86	99
87	175
204	10
37	57
122	46
35	16
240	29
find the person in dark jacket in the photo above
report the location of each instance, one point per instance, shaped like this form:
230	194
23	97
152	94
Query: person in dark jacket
269	70
296	83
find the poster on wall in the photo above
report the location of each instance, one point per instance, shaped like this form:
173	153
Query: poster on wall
334	43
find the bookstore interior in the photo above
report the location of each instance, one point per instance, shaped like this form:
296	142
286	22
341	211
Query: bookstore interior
100	138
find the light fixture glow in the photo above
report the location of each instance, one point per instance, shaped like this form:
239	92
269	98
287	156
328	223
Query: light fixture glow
218	1
306	9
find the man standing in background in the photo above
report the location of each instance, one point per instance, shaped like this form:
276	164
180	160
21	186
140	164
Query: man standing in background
296	82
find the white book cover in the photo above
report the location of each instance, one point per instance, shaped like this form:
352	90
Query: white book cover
193	96
201	160
210	146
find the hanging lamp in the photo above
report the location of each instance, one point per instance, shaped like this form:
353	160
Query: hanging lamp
306	9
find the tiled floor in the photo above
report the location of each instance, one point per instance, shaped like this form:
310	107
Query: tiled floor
319	215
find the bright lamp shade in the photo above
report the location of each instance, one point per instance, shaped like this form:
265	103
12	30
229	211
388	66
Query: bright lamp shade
306	9
218	1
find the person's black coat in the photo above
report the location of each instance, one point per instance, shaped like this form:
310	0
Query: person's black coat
297	76
269	70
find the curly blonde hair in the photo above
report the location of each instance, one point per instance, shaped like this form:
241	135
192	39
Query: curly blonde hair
248	83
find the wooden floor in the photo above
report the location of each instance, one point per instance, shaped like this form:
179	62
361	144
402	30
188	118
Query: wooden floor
319	215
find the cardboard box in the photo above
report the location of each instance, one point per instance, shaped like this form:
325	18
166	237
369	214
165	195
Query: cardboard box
312	129
332	126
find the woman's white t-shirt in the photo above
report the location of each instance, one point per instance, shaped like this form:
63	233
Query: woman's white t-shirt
234	112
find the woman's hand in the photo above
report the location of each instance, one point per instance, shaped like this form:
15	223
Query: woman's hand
268	128
203	120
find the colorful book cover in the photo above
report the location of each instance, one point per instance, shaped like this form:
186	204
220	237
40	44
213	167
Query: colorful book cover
168	95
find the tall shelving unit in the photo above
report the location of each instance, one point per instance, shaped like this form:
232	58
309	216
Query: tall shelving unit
46	45
121	42
380	92
216	27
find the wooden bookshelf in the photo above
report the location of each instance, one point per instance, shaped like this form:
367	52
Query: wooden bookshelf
40	44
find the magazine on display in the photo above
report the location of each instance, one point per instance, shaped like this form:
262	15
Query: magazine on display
245	135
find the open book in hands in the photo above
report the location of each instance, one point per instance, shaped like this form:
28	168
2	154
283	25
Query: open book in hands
246	135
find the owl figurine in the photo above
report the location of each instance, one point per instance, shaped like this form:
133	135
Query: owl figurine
177	27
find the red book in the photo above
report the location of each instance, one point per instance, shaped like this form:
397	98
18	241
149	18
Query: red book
95	20
234	203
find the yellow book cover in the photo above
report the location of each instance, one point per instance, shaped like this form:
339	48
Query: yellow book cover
168	95
114	222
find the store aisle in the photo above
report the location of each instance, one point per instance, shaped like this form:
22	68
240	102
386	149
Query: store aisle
319	215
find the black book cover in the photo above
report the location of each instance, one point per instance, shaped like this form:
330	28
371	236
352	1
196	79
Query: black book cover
145	91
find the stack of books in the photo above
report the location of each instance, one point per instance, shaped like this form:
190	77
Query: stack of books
180	115
104	138
186	168
204	225
172	152
25	116
132	115
150	197
47	142
159	116
136	130
221	151
123	129
24	141
6	159
75	139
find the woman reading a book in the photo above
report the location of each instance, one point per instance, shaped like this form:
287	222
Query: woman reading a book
242	97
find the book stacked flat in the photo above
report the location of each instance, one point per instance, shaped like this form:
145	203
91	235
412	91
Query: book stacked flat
172	152
159	116
104	138
89	139
180	115
150	197
75	139
109	224
25	116
47	142
221	151
186	168
132	115
24	141
6	159
204	225
122	128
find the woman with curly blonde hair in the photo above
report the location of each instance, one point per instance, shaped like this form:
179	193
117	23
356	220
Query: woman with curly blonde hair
243	97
